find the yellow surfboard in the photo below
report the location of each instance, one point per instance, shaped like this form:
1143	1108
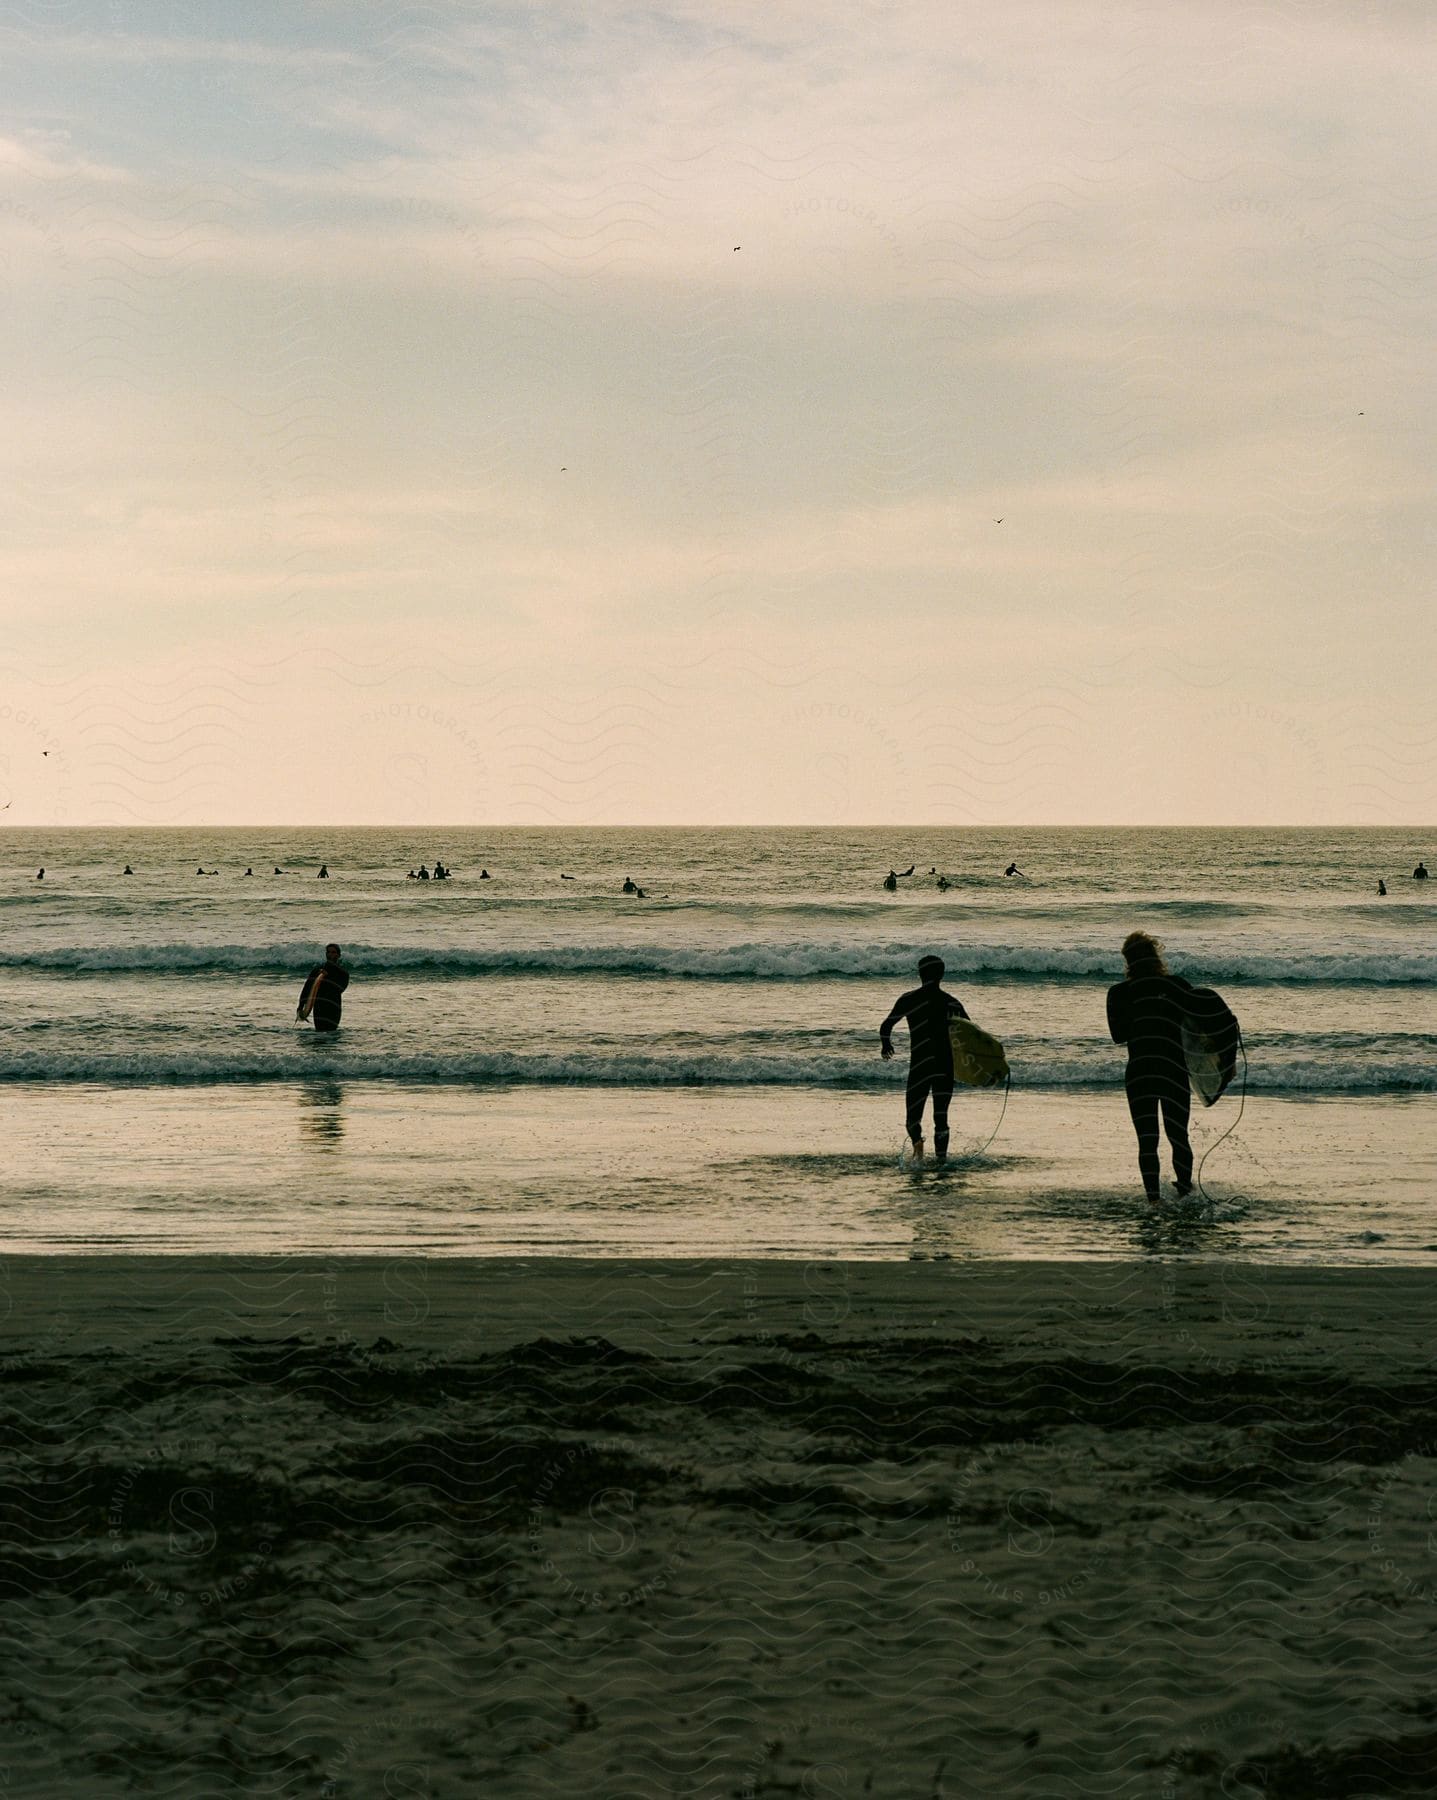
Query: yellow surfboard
979	1060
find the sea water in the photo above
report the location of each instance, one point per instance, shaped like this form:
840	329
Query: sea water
534	1063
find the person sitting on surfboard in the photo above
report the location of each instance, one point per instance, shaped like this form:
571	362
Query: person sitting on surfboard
1420	872
890	881
1013	869
1147	1011
930	1052
322	989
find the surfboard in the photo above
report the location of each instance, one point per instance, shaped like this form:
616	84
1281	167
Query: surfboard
979	1060
1210	1045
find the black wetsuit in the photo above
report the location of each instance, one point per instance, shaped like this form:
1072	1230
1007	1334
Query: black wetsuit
328	1002
930	1056
1146	1012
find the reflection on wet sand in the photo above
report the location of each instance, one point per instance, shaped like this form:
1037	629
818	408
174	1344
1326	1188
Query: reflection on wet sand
321	1114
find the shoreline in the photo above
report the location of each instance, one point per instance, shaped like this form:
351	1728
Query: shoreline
328	1170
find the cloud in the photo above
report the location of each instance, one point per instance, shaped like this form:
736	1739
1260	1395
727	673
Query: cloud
383	324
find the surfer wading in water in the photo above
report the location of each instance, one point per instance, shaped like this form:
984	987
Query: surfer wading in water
322	991
930	1052
1146	1011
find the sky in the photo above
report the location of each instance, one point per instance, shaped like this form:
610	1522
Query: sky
717	412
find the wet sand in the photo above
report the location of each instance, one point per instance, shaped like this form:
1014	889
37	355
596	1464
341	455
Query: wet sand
368	1169
613	1528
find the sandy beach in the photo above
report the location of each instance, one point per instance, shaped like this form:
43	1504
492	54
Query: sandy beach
454	1527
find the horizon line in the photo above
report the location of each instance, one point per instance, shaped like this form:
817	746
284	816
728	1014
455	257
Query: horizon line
790	825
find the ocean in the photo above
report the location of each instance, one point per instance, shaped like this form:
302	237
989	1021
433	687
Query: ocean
531	1064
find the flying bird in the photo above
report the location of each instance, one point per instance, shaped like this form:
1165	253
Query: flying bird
738	246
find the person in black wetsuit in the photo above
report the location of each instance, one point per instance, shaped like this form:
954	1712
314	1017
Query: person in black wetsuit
322	989
930	1054
1146	1011
1420	872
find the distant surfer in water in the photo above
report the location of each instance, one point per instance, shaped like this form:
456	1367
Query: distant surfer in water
1146	1011
890	881
944	884
629	886
1382	887
1013	869
323	872
930	1053
128	869
322	990
1420	872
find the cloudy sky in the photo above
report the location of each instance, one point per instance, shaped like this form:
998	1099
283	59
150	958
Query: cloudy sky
714	411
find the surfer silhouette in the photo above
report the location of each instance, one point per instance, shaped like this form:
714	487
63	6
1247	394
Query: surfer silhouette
323	872
1382	887
322	989
890	881
930	1053
1420	872
1146	1011
128	869
1013	869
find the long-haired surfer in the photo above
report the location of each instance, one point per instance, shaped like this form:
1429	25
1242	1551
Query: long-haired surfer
322	990
1146	1011
930	1052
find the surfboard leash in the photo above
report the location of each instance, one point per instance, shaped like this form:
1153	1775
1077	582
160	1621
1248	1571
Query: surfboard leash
1242	1102
1002	1110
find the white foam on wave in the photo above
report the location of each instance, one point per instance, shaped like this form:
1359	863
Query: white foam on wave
750	961
347	1058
